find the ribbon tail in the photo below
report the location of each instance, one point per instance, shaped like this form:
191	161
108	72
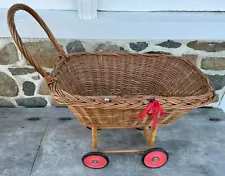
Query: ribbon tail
145	111
149	114
155	118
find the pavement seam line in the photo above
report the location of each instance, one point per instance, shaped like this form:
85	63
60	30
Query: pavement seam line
38	149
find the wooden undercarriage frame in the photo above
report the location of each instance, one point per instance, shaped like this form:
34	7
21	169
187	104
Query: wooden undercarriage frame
149	137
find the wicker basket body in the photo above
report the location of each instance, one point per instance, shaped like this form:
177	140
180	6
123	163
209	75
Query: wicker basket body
121	118
84	81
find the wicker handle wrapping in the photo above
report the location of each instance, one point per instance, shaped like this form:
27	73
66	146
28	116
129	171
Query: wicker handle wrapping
12	27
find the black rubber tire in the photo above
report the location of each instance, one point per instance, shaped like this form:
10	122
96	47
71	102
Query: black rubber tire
153	150
95	153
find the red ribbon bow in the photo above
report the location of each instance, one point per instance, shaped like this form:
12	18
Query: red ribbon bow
153	108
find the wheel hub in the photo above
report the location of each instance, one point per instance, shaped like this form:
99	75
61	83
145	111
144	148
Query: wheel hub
155	159
95	161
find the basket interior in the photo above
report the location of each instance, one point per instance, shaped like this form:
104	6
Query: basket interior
131	74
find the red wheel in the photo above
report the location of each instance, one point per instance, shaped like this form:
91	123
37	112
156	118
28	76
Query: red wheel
95	160
155	158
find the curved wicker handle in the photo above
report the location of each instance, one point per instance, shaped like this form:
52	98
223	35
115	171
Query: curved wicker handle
12	27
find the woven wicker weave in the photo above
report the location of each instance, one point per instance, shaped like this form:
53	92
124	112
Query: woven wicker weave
83	81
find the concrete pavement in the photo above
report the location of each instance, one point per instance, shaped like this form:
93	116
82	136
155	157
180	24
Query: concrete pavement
53	147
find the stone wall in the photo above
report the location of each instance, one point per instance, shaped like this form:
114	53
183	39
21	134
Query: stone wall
21	85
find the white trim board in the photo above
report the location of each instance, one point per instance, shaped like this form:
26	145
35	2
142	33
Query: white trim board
43	4
87	9
161	5
122	25
222	104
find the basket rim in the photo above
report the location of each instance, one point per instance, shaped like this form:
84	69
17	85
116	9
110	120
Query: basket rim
142	102
137	101
64	97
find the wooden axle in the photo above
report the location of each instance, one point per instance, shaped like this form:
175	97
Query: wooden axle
123	151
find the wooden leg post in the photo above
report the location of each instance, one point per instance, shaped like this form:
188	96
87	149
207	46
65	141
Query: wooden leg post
94	139
146	134
152	138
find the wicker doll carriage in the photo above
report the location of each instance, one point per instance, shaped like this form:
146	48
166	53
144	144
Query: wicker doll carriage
110	90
